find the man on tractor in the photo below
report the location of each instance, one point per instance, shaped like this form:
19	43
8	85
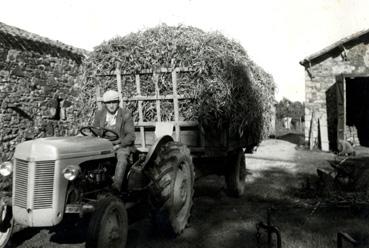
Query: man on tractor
119	120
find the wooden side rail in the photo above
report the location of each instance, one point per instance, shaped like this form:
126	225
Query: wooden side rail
180	123
148	71
154	98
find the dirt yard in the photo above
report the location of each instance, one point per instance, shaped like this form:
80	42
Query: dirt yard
277	174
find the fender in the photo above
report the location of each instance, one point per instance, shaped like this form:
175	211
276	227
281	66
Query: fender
153	152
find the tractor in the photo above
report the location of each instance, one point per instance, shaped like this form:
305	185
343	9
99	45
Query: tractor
57	176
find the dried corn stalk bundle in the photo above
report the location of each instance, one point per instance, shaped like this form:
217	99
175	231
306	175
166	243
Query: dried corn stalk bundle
229	90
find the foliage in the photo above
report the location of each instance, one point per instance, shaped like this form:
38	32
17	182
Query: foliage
287	108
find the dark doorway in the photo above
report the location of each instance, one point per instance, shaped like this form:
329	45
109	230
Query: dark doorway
336	112
357	107
332	116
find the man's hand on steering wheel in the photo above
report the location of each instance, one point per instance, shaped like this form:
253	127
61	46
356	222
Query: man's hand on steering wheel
100	132
116	147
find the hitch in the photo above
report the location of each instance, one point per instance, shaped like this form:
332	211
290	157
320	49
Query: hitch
270	229
341	236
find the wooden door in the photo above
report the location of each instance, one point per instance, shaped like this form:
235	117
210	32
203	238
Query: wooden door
341	107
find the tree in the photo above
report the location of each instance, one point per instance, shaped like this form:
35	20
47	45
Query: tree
287	108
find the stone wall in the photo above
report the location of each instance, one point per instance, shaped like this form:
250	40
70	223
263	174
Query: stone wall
319	78
38	97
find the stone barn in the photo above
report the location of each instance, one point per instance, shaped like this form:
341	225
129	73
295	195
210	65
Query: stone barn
337	93
39	83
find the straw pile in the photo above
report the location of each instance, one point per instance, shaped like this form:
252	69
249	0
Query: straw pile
228	89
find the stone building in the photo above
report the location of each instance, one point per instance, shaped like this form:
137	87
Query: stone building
337	93
39	83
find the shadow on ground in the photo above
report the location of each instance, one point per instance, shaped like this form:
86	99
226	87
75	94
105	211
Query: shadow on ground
220	221
295	138
19	237
301	216
278	180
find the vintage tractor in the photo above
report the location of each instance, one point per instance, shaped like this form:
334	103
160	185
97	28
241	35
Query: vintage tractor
57	176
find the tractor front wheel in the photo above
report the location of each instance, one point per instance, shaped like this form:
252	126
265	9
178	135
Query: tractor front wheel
6	225
236	173
108	225
172	188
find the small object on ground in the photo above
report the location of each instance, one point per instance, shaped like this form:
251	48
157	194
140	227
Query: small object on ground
345	148
270	229
341	237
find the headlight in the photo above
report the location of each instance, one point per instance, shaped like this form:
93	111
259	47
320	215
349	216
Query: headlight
6	168
71	172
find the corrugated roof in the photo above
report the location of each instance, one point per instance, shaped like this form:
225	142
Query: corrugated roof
21	39
339	44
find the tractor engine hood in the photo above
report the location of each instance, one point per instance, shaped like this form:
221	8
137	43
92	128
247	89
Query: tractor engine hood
54	148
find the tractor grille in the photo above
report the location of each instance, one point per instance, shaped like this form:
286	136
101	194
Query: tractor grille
43	184
21	183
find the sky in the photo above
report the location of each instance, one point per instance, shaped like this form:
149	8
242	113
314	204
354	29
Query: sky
277	34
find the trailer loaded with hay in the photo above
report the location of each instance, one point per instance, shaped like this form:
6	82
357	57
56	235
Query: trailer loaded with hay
202	85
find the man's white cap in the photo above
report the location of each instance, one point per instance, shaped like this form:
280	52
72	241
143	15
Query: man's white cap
111	95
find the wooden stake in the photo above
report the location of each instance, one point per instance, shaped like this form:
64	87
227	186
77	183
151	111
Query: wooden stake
119	84
140	114
176	107
157	94
98	98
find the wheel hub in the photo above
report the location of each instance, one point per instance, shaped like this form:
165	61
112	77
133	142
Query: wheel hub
113	228
180	189
114	234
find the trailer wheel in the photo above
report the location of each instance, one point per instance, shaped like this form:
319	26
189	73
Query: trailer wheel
108	226
236	174
172	189
6	225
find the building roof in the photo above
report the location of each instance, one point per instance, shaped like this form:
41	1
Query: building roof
20	39
339	45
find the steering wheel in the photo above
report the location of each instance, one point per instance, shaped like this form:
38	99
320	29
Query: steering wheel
100	132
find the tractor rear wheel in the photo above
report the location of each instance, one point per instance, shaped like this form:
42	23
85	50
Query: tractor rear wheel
172	188
236	173
108	226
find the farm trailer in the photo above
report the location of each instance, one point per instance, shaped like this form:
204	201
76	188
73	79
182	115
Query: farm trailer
212	152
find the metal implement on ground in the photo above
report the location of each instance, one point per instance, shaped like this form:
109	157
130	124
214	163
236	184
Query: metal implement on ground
348	178
343	237
270	230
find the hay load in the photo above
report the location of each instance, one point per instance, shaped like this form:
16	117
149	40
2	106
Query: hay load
226	89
